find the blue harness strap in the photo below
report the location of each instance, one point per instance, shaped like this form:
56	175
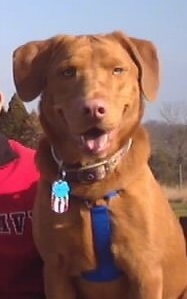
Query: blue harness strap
101	224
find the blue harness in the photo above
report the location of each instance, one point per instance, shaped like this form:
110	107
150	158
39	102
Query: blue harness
101	224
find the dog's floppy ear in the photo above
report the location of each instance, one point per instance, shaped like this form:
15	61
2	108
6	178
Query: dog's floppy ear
29	68
145	56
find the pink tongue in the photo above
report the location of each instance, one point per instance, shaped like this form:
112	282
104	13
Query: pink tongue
97	144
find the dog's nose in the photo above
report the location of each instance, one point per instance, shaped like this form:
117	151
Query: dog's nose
95	108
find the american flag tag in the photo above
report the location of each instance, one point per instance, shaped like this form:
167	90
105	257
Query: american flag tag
60	196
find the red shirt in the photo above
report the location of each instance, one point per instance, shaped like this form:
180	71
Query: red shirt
20	264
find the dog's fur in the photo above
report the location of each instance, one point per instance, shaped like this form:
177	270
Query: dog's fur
75	75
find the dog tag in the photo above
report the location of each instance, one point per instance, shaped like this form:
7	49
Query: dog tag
60	196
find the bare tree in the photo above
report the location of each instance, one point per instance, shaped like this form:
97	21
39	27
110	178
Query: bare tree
174	112
175	115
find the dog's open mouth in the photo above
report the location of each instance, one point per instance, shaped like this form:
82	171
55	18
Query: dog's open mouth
95	140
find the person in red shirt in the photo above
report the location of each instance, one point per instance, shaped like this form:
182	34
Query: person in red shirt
20	264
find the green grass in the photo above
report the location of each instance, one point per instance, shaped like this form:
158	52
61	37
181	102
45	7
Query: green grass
180	208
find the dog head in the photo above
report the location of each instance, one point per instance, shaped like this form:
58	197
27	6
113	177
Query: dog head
91	89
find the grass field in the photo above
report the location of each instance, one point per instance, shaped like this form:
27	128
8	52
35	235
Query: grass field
180	208
178	199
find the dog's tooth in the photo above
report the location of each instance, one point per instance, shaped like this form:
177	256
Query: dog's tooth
82	139
106	137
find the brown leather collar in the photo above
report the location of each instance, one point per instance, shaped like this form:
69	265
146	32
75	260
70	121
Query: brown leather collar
94	172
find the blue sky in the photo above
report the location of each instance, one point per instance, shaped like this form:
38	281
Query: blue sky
162	21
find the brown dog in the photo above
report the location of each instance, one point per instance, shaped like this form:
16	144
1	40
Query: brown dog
118	237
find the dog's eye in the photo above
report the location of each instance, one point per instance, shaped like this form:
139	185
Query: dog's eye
118	71
69	72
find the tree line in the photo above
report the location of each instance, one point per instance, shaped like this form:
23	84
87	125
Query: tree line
169	152
169	146
17	123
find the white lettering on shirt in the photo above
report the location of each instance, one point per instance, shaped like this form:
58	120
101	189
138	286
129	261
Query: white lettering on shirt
15	222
